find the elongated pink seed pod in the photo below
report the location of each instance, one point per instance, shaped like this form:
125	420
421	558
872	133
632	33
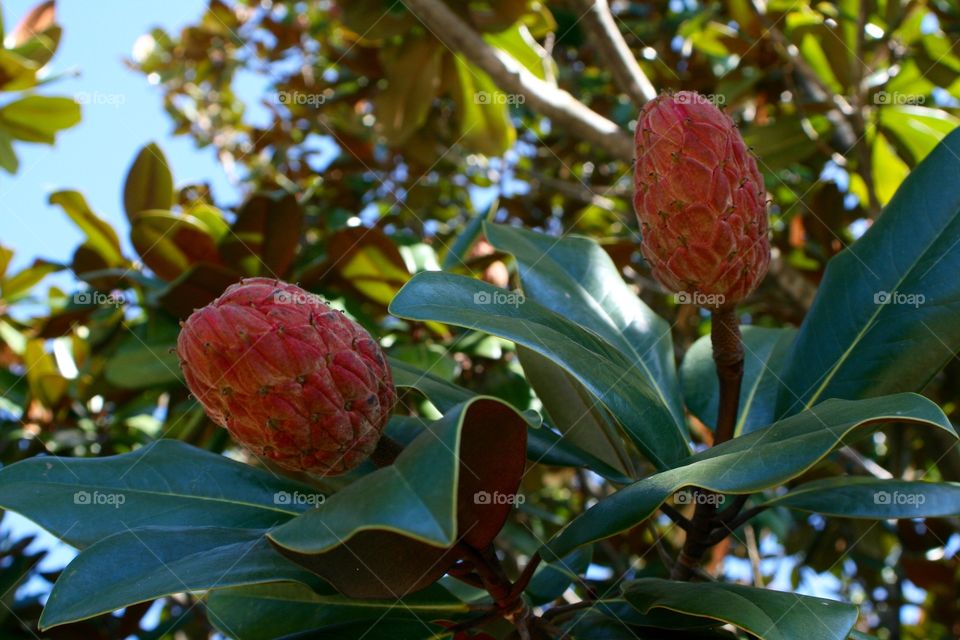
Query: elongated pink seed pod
700	200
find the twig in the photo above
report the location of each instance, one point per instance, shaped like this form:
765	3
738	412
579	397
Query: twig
525	576
727	528
598	21
754	553
512	77
678	518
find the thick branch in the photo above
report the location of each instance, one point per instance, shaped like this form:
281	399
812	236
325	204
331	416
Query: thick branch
562	108
600	25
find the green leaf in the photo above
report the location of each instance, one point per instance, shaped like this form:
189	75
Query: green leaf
265	237
138	565
268	611
889	170
753	462
880	499
574	277
149	183
552	579
767	614
167	483
519	44
8	157
39	118
140	364
485	125
19	284
543	445
100	235
850	344
170	244
575	412
392	532
412	71
764	354
596	364
195	288
918	129
6	255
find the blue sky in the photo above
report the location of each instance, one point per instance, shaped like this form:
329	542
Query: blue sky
93	156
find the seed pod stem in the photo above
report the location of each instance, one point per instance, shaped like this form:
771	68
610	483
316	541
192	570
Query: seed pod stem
728	358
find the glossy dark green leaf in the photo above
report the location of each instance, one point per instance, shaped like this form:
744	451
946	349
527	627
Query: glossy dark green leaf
552	579
138	565
392	532
149	183
581	419
750	463
269	611
767	614
874	498
616	619
544	446
764	351
884	319
167	483
574	277
596	364
444	395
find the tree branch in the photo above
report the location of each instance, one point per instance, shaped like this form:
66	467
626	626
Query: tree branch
566	111
599	22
